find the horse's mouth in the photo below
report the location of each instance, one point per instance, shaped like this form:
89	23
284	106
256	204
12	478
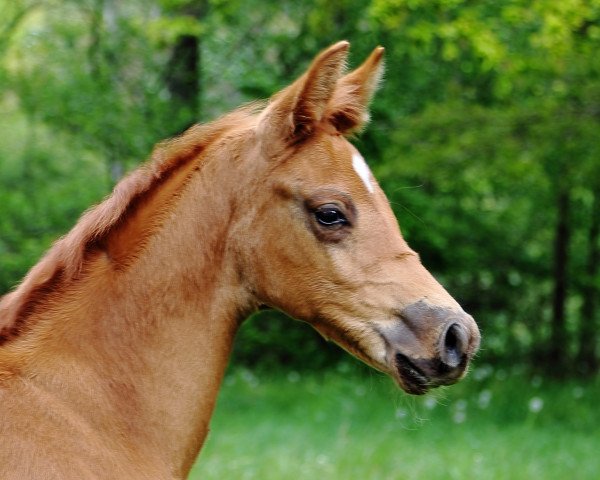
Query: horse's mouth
412	378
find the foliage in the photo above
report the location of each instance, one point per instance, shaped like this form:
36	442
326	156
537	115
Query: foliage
484	136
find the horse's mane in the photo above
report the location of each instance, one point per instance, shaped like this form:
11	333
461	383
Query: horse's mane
65	260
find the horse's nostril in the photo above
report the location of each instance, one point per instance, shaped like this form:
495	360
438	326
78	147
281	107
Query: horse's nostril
451	340
453	344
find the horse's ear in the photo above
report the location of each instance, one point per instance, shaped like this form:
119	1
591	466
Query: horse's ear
348	109
294	111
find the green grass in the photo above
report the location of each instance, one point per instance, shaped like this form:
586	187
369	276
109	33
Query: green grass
351	425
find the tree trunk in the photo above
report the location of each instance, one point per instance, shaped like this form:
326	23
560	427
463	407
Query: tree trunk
587	361
558	350
183	75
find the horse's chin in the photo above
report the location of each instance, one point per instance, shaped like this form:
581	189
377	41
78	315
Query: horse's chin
405	374
409	377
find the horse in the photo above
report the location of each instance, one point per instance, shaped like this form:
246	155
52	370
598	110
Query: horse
114	345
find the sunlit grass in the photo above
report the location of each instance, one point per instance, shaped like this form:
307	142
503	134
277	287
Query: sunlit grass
354	425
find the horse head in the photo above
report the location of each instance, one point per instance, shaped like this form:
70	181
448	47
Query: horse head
325	246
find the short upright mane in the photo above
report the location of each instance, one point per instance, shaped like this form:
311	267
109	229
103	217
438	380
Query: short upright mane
66	258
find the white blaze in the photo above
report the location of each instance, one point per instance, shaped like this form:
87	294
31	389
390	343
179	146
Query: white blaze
362	170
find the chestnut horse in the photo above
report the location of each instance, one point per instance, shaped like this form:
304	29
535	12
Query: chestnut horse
114	345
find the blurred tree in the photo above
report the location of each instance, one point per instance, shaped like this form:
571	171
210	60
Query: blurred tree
183	70
12	14
529	64
587	359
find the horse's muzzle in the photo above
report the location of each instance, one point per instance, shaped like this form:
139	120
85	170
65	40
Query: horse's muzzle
431	346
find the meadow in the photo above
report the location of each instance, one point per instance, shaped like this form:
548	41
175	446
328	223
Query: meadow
349	423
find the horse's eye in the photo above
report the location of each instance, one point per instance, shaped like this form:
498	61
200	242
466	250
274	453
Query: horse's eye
330	215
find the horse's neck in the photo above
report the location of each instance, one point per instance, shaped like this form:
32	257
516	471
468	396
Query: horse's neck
154	339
